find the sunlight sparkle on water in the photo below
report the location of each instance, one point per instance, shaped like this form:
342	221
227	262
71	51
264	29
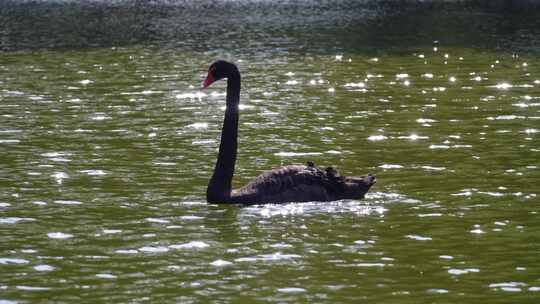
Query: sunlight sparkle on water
9	141
31	288
57	156
418	237
67	202
86	82
437	291
195	95
312	208
531	131
294	154
457	272
153	249
477	231
355	85
413	137
292	82
94	172
198	126
106	276
402	76
508	286
425	120
7	261
190	245
59	177
390	166
503	86
14	220
220	263
59	235
291	290
43	267
377	137
432	168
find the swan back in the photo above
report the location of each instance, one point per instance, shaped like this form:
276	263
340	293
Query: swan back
301	183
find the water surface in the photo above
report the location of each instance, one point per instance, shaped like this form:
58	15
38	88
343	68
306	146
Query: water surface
106	153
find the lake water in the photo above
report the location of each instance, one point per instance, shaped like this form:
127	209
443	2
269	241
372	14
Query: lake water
106	151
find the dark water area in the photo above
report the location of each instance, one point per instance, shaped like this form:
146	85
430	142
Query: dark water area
107	144
318	25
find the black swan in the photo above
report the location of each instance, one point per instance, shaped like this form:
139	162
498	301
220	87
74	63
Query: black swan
294	183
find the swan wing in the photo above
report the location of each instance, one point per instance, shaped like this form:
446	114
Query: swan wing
289	183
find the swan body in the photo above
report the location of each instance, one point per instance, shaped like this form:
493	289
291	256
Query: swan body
293	183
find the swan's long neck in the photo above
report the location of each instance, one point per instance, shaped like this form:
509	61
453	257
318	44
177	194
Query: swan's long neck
220	186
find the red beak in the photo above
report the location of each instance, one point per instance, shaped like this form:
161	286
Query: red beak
208	81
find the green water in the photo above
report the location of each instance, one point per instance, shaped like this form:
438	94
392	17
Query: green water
106	152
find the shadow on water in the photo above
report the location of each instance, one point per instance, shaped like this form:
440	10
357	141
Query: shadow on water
314	26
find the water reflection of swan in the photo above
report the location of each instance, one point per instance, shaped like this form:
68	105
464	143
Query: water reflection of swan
293	183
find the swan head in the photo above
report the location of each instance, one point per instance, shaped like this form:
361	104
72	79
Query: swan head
356	187
219	70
